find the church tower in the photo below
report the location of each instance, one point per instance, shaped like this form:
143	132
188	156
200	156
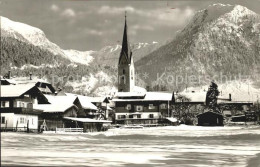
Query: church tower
126	70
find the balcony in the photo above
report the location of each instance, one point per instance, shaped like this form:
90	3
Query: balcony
20	110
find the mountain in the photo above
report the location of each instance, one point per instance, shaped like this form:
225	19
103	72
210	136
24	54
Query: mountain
26	49
109	55
24	42
219	41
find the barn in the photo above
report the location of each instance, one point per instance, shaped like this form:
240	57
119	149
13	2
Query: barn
210	119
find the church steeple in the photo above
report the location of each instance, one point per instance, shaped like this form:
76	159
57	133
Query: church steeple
126	50
126	71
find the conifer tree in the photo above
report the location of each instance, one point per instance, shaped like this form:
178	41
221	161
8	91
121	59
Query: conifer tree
211	97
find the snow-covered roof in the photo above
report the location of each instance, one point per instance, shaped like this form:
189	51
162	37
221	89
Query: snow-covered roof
87	120
148	96
57	107
60	99
130	94
25	80
15	90
86	103
10	81
91	99
194	97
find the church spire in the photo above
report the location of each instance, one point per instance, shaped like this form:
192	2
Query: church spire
125	51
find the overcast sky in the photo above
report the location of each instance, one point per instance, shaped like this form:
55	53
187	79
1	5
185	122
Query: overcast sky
90	25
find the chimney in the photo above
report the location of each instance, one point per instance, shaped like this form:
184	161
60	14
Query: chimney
30	76
9	74
230	97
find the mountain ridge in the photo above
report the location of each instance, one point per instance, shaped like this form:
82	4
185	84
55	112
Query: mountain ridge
206	46
225	42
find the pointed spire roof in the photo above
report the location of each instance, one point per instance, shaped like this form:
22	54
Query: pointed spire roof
126	50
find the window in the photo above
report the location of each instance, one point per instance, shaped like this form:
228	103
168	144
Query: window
139	108
29	105
123	71
150	115
121	116
3	104
2	120
123	79
163	106
32	121
22	105
139	116
128	107
22	120
18	104
131	116
151	106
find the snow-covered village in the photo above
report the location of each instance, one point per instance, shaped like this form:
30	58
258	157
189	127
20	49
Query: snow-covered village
190	97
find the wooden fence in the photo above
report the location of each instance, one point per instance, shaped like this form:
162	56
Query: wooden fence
69	130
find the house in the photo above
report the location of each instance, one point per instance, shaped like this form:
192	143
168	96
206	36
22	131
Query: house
210	119
86	108
103	104
70	112
44	86
53	114
141	108
17	111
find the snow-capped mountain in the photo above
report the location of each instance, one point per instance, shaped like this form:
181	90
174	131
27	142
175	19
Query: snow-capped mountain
219	40
35	38
109	54
26	49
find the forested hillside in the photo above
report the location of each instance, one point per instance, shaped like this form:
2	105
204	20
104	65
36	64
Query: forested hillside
219	40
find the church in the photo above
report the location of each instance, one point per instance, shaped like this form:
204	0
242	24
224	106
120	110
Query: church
126	69
134	105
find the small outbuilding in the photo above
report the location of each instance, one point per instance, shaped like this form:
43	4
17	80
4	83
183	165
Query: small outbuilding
210	119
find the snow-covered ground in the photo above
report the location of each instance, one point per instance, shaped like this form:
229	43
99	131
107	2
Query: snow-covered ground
180	146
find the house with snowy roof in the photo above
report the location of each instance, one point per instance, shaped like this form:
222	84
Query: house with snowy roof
17	107
44	86
72	111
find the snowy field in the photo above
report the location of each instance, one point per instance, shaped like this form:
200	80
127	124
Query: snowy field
181	146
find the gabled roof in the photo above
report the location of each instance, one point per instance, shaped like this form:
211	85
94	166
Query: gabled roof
15	90
60	107
38	82
100	99
58	103
60	99
85	103
8	81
